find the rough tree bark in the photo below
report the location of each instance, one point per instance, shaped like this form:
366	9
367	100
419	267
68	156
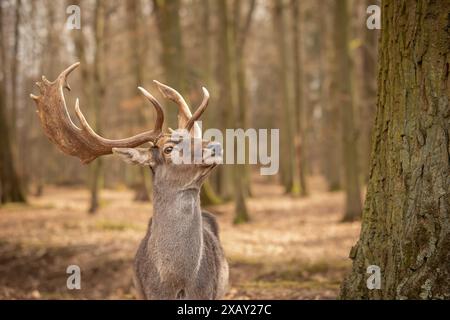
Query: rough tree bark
344	99
406	218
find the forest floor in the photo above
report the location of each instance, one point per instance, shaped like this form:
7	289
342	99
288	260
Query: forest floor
294	248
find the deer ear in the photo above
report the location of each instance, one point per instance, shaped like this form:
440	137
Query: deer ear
140	156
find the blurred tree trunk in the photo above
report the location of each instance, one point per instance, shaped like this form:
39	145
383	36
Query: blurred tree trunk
206	13
369	56
344	98
172	56
231	176
37	172
15	75
225	96
288	161
49	64
79	41
216	70
298	96
406	226
143	189
207	194
17	116
10	185
90	91
241	31
332	157
98	97
242	174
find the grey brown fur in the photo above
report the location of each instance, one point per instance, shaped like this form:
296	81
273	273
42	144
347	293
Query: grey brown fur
180	256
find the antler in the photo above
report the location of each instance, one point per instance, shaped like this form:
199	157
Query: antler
185	118
198	112
82	142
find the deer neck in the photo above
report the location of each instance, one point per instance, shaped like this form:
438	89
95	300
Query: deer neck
176	232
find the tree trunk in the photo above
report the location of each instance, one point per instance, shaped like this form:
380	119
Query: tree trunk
406	219
240	207
298	98
98	98
225	96
14	74
242	172
172	56
232	176
332	144
344	98
207	194
88	95
49	64
143	188
288	161
368	53
241	30
10	187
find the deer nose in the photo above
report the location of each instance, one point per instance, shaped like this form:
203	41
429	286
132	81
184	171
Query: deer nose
215	147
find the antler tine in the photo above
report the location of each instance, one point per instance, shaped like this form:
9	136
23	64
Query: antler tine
173	95
159	110
66	72
82	142
46	88
184	114
199	110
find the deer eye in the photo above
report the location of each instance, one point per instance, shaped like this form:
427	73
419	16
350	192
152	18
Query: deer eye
168	150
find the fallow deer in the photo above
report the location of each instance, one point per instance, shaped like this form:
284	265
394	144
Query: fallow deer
180	256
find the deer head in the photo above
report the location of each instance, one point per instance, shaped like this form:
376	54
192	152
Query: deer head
161	153
84	143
